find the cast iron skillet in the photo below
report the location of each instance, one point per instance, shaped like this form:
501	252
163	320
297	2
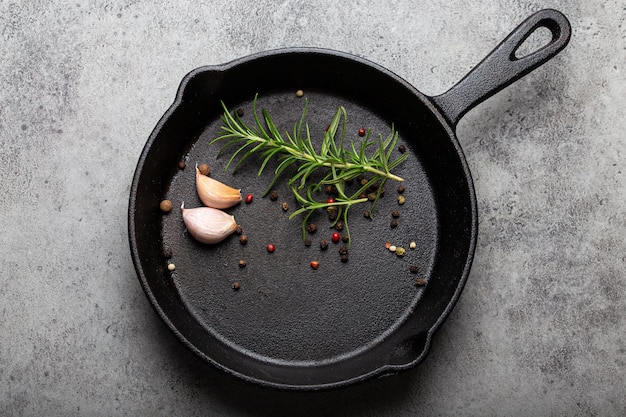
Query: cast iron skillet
290	326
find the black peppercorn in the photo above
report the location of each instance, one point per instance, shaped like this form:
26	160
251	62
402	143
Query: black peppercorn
274	195
323	244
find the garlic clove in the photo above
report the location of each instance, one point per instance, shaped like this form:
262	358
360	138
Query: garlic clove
208	225
215	194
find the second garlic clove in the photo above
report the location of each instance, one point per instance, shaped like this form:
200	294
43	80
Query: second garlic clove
208	225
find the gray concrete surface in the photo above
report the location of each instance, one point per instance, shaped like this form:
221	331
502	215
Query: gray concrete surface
540	328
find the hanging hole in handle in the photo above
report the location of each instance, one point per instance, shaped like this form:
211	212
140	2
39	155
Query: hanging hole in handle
538	39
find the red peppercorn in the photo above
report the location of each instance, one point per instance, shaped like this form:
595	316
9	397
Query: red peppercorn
249	198
335	237
270	248
330	200
362	132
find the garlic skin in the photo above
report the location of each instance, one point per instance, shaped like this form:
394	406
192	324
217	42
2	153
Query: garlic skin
208	225
215	194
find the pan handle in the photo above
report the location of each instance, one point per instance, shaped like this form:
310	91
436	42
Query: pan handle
502	67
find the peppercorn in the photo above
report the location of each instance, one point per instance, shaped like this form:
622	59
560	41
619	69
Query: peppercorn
307	241
395	214
171	267
335	237
400	189
345	239
314	264
166	206
393	224
242	263
402	149
361	132
330	200
323	244
274	195
332	213
238	229
371	196
249	198
420	282
414	269
240	112
181	165
236	286
204	169
284	205
343	250
401	199
311	228
344	258
270	248
339	226
367	214
330	189
243	239
363	181
400	251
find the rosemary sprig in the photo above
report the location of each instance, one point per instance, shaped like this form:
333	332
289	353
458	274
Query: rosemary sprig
337	164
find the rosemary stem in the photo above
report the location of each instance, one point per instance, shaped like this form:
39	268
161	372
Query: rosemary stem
303	155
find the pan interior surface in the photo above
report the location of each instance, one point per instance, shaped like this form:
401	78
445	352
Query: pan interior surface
289	325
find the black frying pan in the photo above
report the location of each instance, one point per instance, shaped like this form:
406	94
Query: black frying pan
289	326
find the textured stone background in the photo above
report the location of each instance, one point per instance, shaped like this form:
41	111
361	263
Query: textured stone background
540	328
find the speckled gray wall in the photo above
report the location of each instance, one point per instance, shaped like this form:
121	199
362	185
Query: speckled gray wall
540	327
